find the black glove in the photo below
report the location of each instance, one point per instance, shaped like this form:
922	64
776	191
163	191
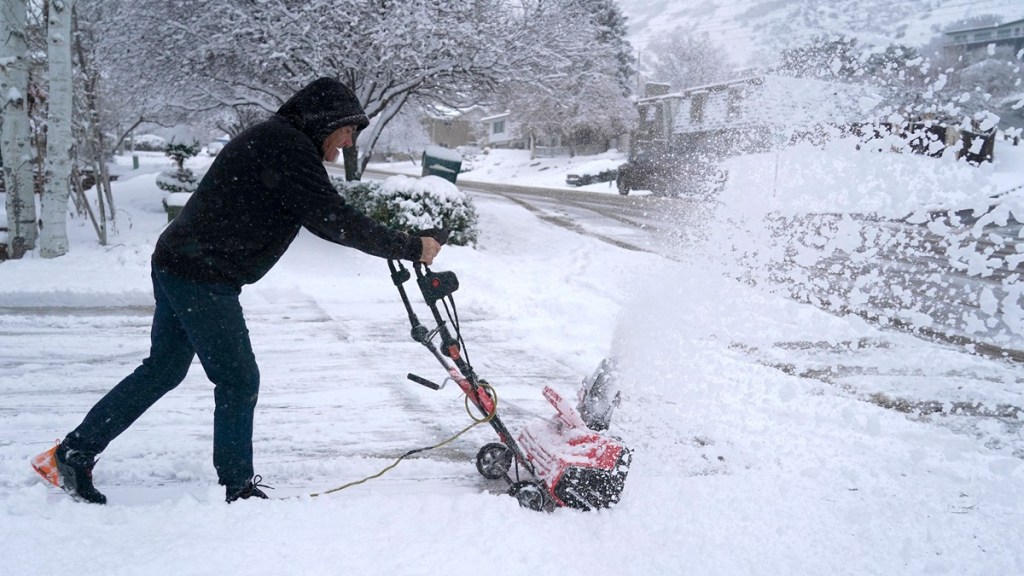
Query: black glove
439	234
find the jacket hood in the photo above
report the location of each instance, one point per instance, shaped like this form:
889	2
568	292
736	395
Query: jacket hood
322	107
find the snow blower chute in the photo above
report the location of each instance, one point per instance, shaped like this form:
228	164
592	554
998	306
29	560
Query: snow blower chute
567	460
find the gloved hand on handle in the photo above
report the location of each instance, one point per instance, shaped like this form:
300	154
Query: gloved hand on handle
432	240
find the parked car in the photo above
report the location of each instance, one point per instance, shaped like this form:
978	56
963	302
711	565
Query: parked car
669	174
585	179
648	171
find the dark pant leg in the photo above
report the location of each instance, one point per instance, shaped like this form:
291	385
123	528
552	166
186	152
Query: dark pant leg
212	316
169	358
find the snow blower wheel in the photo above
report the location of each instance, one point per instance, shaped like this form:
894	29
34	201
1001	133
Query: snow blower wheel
494	460
530	495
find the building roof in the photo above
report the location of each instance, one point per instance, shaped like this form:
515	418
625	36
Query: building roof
504	114
985	27
1007	32
449	113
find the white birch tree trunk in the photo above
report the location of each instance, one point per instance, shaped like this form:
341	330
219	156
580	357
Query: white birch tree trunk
15	129
53	235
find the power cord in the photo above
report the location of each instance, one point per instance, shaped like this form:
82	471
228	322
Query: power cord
476	422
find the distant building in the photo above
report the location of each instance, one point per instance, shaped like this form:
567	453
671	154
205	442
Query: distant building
475	126
750	114
761	113
1010	34
501	131
453	128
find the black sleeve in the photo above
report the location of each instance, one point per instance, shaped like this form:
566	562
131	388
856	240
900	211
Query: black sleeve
309	194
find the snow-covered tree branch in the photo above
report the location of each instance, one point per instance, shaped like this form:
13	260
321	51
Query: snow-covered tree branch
201	56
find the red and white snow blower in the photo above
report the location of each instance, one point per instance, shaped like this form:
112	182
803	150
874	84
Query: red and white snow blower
568	460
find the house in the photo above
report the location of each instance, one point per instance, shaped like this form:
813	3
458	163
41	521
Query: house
760	113
1010	34
681	136
474	126
750	114
452	128
500	131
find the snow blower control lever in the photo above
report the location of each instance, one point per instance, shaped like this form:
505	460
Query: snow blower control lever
438	287
558	462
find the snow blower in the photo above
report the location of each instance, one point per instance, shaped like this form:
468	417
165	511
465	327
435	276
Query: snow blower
567	460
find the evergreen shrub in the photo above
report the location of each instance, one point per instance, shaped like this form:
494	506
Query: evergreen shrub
415	204
182	179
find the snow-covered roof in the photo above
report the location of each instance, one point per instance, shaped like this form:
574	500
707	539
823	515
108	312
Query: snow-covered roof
504	114
985	28
449	113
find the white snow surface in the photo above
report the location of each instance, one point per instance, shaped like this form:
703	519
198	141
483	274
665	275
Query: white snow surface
740	467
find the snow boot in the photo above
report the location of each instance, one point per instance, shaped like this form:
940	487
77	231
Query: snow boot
71	471
251	489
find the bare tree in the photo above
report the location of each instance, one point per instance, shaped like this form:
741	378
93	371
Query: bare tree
685	61
92	149
240	118
405	135
581	96
201	56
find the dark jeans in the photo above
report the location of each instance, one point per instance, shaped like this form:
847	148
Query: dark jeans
191	318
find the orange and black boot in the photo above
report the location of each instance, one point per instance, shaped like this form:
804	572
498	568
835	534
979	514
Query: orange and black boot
71	471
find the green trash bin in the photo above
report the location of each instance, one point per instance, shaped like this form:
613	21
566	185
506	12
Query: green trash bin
438	161
174	203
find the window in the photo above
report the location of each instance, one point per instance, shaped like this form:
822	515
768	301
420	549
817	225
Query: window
499	127
735	102
697	106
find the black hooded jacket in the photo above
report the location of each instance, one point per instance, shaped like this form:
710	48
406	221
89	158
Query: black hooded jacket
267	183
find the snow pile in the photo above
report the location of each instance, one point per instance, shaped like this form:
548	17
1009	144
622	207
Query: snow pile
807	179
891	235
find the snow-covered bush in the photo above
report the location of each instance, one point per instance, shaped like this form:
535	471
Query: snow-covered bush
414	204
149	143
181	179
177	181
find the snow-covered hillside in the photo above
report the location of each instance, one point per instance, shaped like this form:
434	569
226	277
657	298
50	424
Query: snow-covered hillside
755	30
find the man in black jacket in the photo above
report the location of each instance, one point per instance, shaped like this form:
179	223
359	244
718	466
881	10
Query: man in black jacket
265	185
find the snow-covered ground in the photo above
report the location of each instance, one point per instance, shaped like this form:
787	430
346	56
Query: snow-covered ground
741	466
